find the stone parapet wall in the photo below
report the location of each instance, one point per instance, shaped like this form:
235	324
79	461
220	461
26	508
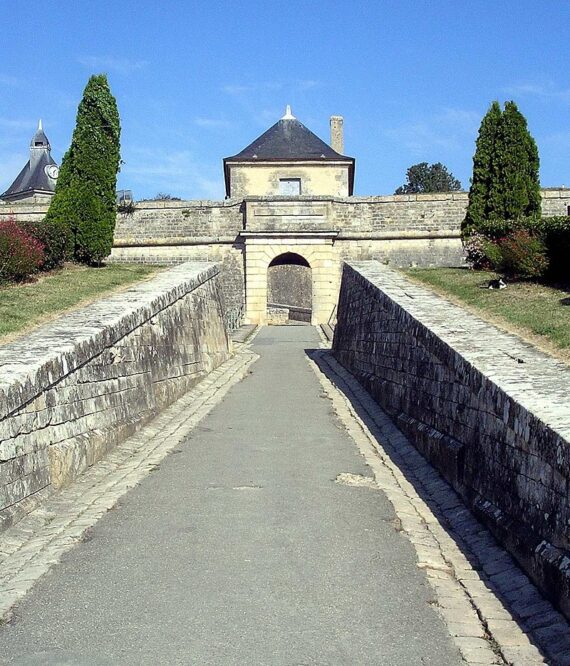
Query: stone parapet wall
72	389
488	410
229	256
171	222
163	222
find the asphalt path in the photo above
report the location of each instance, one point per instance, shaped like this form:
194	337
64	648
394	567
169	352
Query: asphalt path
242	549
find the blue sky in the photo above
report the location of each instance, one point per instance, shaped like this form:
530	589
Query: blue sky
198	81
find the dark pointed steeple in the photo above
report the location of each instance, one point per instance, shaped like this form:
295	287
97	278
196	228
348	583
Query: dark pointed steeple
38	177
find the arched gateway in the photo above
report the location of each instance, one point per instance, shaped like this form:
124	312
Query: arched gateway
289	289
266	250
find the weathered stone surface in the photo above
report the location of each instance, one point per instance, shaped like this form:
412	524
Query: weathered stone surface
490	411
72	389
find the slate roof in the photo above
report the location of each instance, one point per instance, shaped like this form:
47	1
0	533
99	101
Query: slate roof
288	141
33	177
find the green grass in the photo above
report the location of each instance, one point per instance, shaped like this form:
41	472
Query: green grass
537	312
25	306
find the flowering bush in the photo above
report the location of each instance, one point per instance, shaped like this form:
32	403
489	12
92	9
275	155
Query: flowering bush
54	239
523	255
20	254
482	253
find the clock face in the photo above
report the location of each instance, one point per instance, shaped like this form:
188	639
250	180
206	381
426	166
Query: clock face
52	171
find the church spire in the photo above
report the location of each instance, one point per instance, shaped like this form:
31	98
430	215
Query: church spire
40	140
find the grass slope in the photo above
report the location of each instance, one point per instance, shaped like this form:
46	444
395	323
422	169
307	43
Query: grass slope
536	312
25	306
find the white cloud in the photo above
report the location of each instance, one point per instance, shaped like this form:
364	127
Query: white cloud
174	172
17	124
447	130
109	63
10	81
214	123
272	86
545	91
236	89
308	84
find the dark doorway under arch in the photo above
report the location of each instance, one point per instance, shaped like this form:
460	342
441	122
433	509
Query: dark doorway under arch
289	289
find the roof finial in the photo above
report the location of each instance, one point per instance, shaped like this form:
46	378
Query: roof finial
40	128
288	115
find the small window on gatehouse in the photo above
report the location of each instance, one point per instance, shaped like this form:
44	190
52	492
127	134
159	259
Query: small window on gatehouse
290	186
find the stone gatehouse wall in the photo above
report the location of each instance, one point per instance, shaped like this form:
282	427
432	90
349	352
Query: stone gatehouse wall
488	410
73	389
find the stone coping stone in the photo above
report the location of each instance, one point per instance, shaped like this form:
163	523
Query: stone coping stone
32	363
535	380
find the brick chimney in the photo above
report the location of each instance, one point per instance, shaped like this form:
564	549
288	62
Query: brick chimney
337	134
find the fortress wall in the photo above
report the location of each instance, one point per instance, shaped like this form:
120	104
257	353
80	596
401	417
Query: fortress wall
419	213
229	257
488	410
74	388
173	221
403	252
24	212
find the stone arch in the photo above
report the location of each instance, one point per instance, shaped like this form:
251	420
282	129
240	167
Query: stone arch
317	252
289	289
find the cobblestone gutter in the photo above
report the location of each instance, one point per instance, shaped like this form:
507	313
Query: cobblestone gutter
73	389
488	410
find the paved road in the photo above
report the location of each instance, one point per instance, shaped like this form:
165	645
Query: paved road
241	549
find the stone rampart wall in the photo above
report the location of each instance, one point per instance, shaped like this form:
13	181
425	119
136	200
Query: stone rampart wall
385	217
72	389
488	410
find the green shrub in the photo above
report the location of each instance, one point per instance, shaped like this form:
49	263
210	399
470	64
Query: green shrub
92	223
54	239
555	232
20	254
493	255
523	255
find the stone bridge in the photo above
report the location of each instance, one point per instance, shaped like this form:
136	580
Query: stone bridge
170	495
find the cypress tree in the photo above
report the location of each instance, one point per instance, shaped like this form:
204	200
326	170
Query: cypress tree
515	186
477	208
84	204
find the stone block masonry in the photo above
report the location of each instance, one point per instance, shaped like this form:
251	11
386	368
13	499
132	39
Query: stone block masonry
72	389
488	410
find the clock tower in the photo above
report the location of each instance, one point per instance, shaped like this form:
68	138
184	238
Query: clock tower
36	181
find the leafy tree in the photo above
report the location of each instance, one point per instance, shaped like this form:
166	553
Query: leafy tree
163	196
84	204
505	184
424	177
477	208
515	186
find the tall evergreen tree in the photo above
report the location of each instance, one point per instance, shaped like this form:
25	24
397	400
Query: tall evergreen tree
84	204
515	186
477	208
